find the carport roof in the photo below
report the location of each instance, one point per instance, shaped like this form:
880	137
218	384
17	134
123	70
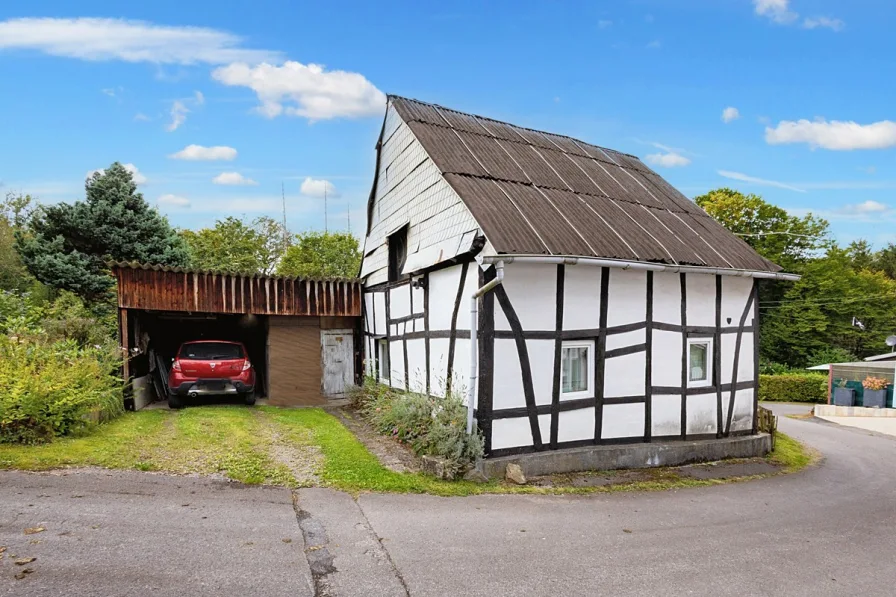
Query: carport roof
186	270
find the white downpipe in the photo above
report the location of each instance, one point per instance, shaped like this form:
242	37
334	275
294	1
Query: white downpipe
638	265
474	353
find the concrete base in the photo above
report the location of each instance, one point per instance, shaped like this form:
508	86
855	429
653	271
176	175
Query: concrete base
829	410
596	458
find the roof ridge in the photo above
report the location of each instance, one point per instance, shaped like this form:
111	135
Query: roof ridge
441	107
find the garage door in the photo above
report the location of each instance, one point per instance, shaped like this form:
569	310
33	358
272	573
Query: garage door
294	361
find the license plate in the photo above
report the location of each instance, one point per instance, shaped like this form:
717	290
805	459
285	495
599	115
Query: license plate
214	386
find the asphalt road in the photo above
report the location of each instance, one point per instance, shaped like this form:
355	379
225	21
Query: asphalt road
830	530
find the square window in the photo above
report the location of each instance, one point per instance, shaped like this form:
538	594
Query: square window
699	362
577	370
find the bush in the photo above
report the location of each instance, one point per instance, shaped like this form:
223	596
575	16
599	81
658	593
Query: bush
428	424
51	389
793	387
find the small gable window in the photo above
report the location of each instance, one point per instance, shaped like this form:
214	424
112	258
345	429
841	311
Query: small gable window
699	362
398	253
577	369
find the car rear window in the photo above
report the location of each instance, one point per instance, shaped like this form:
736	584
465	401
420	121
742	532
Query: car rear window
211	351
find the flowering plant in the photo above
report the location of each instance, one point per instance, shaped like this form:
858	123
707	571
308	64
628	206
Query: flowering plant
874	383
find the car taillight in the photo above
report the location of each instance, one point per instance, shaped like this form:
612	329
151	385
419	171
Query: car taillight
175	366
247	365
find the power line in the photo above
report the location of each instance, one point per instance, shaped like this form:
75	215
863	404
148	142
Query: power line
776	233
811	302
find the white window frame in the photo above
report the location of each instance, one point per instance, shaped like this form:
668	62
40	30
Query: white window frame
589	390
701	383
384	362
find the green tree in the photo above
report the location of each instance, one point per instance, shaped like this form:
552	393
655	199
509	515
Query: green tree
885	261
778	236
236	246
13	273
861	254
322	255
816	313
67	246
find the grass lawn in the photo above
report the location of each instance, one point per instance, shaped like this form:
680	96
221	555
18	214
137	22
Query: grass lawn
247	444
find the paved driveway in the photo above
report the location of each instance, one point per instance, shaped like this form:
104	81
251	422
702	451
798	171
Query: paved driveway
827	531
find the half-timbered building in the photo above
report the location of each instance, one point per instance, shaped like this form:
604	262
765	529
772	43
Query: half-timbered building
614	309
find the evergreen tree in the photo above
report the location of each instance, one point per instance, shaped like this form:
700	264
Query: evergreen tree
67	246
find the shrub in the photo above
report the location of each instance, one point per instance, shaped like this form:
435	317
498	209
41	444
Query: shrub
767	367
51	389
875	383
793	387
428	424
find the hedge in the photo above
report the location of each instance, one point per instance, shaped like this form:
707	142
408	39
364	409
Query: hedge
794	387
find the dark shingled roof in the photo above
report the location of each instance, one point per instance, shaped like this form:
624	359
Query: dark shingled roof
538	193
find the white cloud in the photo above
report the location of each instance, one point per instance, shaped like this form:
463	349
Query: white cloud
173	201
776	10
207	154
604	23
314	187
141	117
865	208
729	114
127	40
759	181
668	160
109	91
824	22
308	90
199	98
233	179
836	135
138	176
178	116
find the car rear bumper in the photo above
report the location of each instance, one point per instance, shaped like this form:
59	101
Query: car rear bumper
211	387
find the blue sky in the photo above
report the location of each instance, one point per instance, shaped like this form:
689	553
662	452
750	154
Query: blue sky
808	86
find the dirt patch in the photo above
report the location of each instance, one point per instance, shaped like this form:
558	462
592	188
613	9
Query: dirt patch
728	470
297	454
392	455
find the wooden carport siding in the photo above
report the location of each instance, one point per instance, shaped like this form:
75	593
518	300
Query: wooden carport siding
157	288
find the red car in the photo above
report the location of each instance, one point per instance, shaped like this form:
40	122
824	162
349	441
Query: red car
210	367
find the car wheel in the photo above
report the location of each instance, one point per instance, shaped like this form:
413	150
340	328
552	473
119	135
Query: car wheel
249	397
175	401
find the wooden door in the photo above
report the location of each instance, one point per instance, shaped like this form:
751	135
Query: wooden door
338	361
294	361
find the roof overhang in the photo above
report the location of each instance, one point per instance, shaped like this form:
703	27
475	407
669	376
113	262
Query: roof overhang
640	265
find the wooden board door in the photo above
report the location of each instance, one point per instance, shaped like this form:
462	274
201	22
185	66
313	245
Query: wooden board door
338	361
294	362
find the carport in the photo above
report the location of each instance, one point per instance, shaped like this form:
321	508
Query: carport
301	334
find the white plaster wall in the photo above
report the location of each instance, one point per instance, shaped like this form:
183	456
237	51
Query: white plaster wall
400	301
623	420
701	414
379	310
396	364
438	365
745	361
417	297
581	298
368	312
417	364
411	190
735	294
665	415
667	298
508	378
743	411
624	376
516	432
627	339
575	425
532	290
442	294
701	299
627	297
666	360
461	377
